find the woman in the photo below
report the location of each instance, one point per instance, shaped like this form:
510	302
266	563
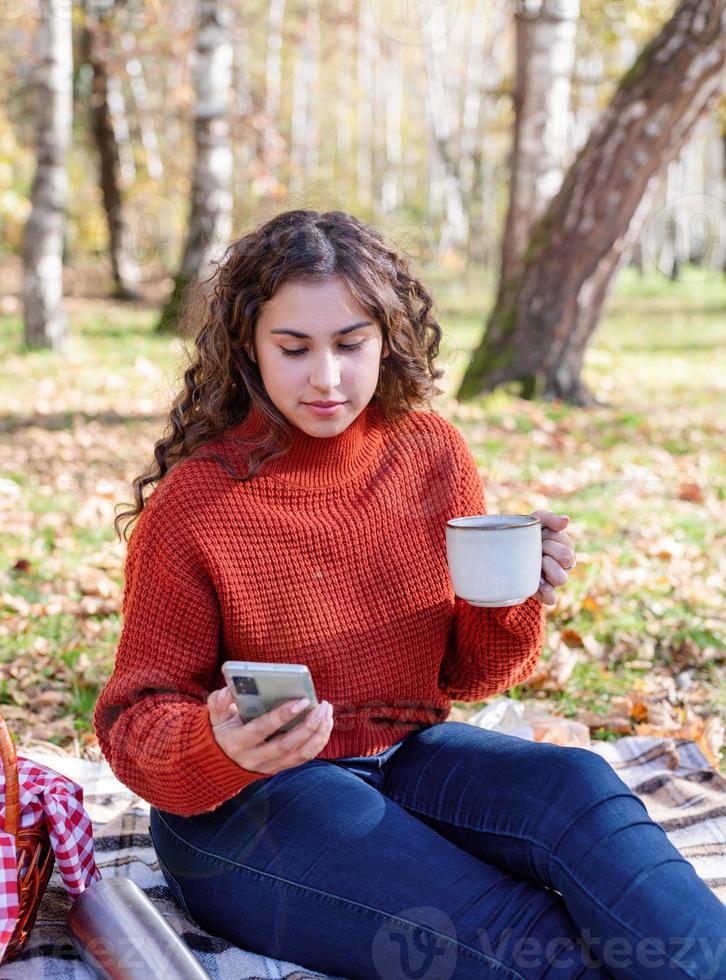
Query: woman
372	840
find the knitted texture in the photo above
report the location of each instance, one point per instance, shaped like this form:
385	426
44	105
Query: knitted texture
333	556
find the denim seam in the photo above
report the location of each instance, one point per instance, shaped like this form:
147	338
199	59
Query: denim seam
611	833
552	857
463	947
592	806
181	900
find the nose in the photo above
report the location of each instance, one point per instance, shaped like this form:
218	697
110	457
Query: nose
325	373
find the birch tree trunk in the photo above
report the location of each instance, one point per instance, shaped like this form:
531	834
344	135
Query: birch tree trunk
391	91
96	45
272	141
249	168
42	248
545	41
479	160
545	315
344	107
140	93
364	104
211	205
440	121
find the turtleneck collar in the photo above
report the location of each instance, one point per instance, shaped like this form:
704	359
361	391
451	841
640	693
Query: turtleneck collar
315	461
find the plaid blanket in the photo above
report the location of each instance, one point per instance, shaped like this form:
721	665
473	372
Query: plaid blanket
672	776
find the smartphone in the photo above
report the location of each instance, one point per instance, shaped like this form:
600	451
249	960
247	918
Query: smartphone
260	687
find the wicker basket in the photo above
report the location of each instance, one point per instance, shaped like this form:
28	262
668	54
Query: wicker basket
32	844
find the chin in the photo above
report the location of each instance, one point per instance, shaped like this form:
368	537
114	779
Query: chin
320	426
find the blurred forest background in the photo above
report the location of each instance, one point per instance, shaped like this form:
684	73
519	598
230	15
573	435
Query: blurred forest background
557	171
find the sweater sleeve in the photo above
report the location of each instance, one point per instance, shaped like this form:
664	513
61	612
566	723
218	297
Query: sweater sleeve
489	650
151	718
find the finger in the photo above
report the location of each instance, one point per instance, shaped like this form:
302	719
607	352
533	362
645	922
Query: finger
259	728
562	536
216	703
551	520
291	745
553	572
319	720
310	719
546	593
560	552
316	740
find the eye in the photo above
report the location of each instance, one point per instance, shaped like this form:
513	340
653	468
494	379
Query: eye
301	350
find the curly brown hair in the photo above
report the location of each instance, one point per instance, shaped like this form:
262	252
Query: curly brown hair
223	383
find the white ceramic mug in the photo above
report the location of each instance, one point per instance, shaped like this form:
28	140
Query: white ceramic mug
494	559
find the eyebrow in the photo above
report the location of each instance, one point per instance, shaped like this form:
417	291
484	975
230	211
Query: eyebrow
306	336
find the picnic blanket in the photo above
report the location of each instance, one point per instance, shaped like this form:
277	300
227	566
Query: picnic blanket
672	776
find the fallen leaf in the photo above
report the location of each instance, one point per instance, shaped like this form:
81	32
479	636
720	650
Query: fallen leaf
691	492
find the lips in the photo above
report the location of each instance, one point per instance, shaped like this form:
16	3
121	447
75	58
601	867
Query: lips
324	404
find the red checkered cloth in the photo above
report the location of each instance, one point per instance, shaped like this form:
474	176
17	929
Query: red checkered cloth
44	791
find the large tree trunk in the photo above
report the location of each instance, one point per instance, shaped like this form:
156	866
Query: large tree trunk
42	249
211	206
545	38
545	314
96	47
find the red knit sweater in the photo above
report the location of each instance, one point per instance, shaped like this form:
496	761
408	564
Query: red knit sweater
333	556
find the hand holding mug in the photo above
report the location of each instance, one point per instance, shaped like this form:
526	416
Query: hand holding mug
558	554
499	560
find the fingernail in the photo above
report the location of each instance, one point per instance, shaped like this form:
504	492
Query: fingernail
299	705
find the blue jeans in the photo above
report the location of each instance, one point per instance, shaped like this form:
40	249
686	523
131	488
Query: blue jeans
457	852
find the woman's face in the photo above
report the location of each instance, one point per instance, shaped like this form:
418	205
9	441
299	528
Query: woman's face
313	343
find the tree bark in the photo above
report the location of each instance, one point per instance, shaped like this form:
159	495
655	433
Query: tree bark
304	134
211	205
42	249
96	46
479	158
144	118
345	57
272	140
545	41
365	67
390	92
444	172
546	313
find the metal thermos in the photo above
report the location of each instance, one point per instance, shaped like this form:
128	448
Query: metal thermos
122	936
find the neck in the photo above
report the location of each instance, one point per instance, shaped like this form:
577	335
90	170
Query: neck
314	461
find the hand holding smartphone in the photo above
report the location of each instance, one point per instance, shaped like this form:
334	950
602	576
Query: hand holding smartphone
259	721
